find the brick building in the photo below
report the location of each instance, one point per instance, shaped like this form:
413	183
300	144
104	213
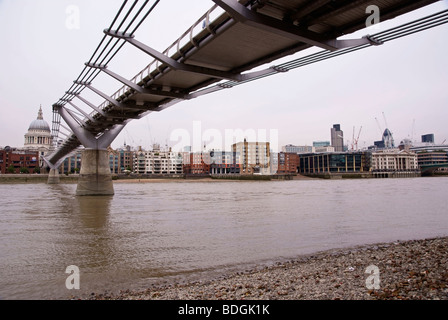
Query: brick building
254	157
288	163
199	163
17	161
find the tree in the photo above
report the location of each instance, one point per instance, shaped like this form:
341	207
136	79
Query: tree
24	170
11	169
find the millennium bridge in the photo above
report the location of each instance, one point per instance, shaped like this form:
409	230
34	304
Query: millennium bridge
221	50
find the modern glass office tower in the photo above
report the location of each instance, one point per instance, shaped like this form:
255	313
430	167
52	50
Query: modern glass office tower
337	138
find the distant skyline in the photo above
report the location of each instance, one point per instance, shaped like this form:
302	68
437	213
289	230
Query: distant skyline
407	79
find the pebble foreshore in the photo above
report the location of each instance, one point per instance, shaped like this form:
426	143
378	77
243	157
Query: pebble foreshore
402	270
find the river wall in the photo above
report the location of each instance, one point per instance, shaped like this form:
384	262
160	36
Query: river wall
34	178
43	178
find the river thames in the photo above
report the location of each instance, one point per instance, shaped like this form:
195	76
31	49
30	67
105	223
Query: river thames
181	230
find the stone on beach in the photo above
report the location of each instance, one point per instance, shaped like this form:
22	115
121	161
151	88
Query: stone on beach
408	270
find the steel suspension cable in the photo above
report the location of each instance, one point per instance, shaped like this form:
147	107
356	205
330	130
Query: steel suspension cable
90	75
384	36
387	35
145	16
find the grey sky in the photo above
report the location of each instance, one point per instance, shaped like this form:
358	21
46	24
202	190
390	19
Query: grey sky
407	79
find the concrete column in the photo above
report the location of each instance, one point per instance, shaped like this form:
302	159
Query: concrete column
95	178
53	176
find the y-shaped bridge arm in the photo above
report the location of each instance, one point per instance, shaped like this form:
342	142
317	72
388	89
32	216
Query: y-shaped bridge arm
87	139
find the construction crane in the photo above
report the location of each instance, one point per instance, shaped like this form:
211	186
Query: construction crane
385	121
355	141
357	138
379	126
387	134
353	138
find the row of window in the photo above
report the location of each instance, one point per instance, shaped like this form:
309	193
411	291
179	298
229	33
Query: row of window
37	140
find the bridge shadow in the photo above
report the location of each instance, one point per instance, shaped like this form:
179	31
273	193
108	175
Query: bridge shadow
84	238
94	211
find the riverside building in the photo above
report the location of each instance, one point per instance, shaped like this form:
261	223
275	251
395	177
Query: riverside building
334	163
126	159
71	164
18	161
298	149
224	163
432	155
157	162
196	163
120	161
254	157
38	142
337	138
39	138
394	163
288	163
321	144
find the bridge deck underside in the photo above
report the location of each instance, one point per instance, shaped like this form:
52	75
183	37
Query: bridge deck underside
234	46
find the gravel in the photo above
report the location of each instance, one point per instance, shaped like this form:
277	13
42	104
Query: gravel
409	270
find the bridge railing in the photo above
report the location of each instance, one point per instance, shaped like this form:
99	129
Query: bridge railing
205	22
205	26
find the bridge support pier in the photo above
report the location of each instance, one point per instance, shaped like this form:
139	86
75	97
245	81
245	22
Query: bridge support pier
95	178
53	176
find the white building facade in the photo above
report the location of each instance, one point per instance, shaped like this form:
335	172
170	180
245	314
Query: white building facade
254	157
157	162
394	160
298	149
38	138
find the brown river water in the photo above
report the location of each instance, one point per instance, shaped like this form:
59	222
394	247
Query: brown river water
188	230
